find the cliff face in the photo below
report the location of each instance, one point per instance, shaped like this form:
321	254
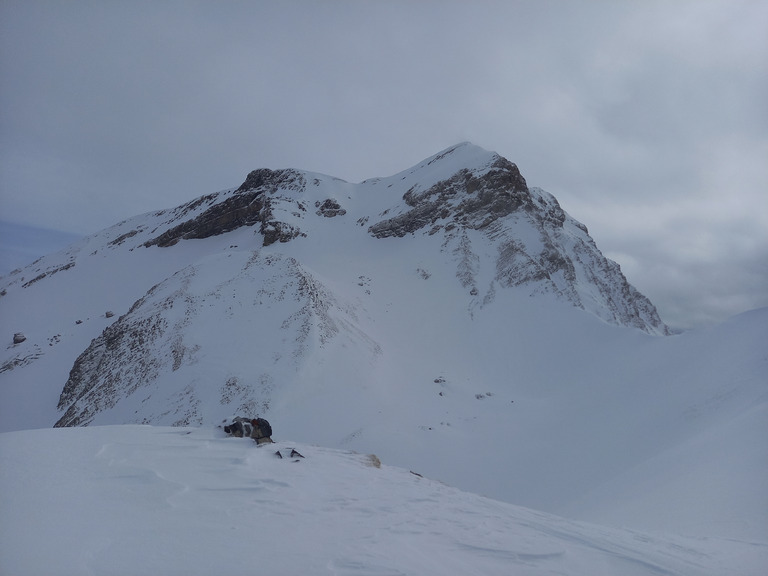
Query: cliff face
251	204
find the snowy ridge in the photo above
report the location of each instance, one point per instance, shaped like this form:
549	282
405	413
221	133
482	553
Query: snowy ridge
180	324
120	493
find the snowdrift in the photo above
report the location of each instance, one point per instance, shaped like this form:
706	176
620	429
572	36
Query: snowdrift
141	500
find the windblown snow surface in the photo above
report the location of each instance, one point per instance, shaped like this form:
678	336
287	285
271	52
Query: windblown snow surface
141	500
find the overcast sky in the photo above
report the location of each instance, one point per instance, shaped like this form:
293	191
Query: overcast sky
647	120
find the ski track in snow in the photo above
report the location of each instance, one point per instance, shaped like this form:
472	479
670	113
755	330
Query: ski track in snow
150	500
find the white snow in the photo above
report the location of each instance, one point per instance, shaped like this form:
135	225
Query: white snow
141	500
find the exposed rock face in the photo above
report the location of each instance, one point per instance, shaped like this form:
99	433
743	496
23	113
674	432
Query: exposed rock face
99	378
465	199
48	272
329	208
270	181
250	205
276	231
241	210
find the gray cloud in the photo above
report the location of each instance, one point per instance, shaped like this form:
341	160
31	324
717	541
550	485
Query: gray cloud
646	120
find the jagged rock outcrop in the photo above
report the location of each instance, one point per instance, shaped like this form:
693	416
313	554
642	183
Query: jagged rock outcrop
329	208
251	204
271	181
465	199
240	210
115	365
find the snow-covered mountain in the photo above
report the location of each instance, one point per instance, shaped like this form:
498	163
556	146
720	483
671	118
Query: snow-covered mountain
448	318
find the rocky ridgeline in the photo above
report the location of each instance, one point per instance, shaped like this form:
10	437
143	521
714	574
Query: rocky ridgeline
250	205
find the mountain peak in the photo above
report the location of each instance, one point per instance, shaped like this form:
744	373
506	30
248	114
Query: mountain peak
272	180
465	190
447	162
277	253
472	195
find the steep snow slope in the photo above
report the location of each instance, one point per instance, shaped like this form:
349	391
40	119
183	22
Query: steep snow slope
133	500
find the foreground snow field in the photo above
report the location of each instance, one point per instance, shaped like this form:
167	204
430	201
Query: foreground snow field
139	500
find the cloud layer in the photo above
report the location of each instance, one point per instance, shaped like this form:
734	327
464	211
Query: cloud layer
647	120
